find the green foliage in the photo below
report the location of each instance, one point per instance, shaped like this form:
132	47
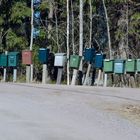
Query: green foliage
15	42
44	5
1	21
20	11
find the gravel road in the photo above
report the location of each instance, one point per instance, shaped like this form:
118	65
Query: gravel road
52	112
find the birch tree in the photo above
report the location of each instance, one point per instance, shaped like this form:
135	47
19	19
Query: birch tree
80	42
68	51
90	42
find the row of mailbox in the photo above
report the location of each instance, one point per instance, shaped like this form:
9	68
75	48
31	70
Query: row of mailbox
121	66
12	59
98	60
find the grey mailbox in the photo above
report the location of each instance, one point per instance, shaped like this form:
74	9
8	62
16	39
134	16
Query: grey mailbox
60	59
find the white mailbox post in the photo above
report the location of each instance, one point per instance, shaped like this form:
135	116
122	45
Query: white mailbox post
60	60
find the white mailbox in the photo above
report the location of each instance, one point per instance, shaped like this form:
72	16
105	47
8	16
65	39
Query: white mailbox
60	59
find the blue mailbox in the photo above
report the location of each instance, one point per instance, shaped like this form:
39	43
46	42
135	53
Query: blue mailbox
13	59
3	60
119	66
44	55
99	60
89	54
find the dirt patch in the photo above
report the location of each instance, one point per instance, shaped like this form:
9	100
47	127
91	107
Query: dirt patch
131	112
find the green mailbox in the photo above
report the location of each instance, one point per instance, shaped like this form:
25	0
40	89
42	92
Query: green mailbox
108	66
138	65
119	66
3	60
75	61
130	65
13	59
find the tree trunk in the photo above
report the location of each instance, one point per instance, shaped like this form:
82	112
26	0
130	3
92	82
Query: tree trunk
31	38
68	51
80	43
108	30
90	41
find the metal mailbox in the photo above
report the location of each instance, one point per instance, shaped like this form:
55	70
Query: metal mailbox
3	60
13	59
108	66
27	57
138	65
60	59
75	61
89	54
119	66
99	60
44	55
130	65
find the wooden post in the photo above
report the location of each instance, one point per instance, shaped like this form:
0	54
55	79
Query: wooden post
31	73
99	77
105	80
15	75
59	75
28	71
44	74
5	70
4	74
73	82
87	74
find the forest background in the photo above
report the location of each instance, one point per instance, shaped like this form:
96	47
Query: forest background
123	21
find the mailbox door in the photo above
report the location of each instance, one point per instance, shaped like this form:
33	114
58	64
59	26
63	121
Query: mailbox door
119	67
89	54
58	61
3	60
43	55
74	61
138	65
99	60
27	57
12	61
130	65
108	66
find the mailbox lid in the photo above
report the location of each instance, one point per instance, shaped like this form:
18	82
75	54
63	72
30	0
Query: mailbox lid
119	66
130	65
13	59
108	65
44	55
27	57
3	60
99	60
60	59
138	65
89	54
75	61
